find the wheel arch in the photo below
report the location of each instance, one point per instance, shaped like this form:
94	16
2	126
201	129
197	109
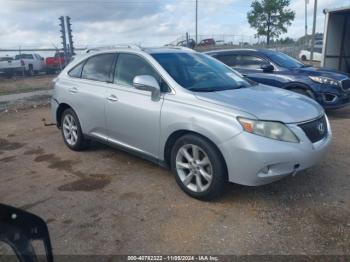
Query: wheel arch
173	137
298	85
60	109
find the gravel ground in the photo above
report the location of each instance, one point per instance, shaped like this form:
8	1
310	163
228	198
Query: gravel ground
20	84
105	201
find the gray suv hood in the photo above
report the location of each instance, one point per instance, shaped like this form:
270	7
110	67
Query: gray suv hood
266	103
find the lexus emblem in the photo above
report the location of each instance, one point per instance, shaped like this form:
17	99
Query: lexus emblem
320	128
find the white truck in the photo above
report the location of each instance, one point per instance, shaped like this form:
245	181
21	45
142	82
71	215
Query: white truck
305	55
9	66
33	63
336	48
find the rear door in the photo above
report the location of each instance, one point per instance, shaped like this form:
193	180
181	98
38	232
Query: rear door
133	119
87	92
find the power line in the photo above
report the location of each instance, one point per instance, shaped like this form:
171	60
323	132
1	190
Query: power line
117	2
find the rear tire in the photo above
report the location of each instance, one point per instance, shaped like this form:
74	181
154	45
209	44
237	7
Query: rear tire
303	58
71	131
199	168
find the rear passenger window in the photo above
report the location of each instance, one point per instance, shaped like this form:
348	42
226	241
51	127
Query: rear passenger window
76	71
98	67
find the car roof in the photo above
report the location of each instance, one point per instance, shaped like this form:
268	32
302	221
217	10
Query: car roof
167	49
240	50
149	50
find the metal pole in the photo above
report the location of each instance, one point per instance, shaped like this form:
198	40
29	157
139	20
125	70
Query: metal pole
313	32
306	3
187	40
196	21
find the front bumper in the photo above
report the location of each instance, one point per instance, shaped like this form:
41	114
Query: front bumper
331	98
255	160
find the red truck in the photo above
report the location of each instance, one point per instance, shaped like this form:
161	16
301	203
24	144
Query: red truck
56	63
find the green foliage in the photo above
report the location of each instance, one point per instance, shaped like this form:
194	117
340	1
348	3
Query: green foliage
270	17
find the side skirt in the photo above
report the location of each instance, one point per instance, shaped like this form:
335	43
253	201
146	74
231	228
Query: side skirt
139	154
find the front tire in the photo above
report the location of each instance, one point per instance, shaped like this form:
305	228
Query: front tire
71	131
199	168
303	92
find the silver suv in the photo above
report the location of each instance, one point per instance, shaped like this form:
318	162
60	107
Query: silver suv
191	113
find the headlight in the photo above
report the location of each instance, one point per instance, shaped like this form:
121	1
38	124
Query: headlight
325	80
270	129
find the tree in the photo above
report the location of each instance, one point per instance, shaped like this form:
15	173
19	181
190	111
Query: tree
270	17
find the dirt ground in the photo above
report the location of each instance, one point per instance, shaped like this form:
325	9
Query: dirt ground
20	84
105	201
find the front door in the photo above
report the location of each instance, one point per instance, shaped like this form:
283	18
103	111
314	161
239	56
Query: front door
133	118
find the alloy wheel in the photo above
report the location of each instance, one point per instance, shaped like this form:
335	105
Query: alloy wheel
194	168
70	129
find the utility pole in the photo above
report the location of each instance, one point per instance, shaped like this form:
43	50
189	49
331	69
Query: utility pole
70	36
313	32
63	35
196	21
306	3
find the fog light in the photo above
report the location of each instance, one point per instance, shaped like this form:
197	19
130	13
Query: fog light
329	98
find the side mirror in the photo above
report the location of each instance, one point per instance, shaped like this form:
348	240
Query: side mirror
147	83
267	67
18	229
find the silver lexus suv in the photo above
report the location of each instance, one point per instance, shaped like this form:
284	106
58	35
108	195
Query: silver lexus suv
191	113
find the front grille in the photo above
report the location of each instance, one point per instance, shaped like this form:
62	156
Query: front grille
345	84
315	130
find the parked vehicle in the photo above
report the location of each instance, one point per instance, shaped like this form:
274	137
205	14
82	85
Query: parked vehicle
55	63
207	42
188	111
9	66
33	63
191	43
305	55
328	87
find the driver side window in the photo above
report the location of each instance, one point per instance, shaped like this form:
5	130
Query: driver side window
129	66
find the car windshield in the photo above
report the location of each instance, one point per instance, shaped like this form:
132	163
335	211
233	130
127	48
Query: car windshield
199	73
284	60
24	56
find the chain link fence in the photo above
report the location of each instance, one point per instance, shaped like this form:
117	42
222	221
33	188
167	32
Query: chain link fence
290	46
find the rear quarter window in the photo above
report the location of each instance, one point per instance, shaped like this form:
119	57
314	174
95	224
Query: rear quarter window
76	71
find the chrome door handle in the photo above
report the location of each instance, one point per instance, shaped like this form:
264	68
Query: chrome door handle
112	98
73	90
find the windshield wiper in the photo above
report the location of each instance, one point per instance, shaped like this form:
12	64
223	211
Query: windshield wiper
241	86
204	89
209	89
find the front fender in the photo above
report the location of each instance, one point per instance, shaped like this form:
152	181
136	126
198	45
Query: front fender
216	126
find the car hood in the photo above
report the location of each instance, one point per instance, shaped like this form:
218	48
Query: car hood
266	103
326	72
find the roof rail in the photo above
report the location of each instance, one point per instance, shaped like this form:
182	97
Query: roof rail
105	48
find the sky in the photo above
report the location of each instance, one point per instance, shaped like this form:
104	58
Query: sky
34	23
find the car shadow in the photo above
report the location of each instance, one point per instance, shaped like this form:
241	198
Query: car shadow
306	186
341	113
